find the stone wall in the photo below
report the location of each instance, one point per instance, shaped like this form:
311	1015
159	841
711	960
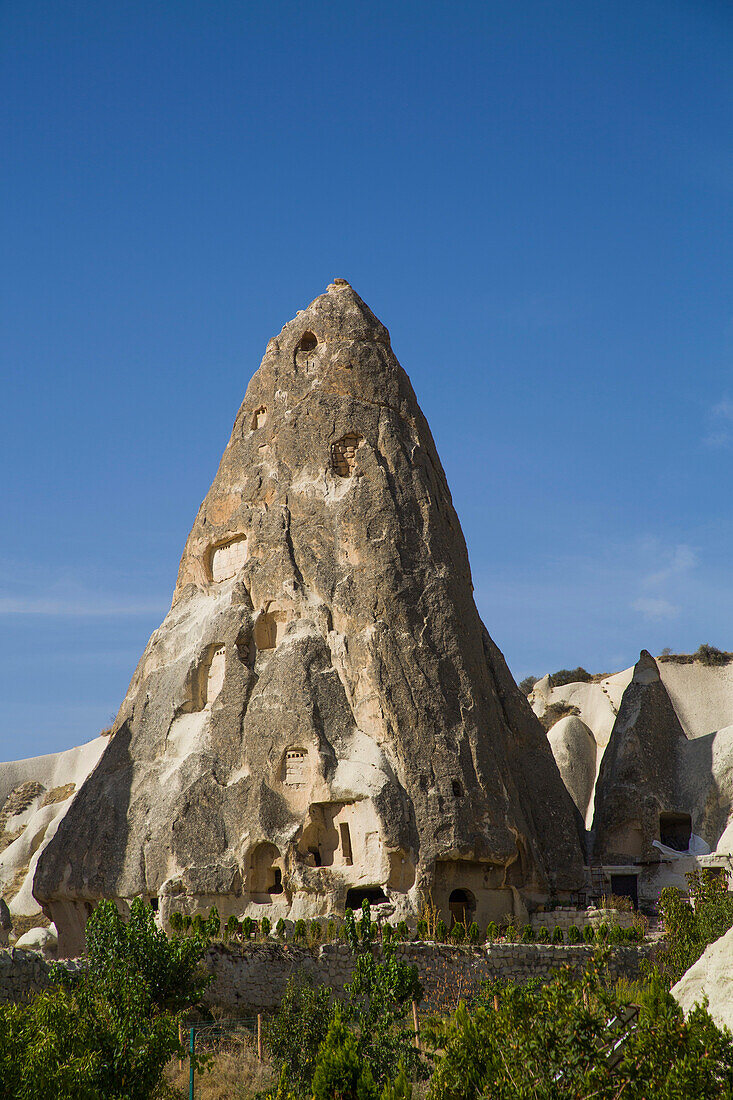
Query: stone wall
253	978
565	917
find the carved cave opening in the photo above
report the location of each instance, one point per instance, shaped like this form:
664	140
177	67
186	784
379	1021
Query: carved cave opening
675	831
265	878
305	347
626	886
259	418
343	454
462	906
357	895
295	768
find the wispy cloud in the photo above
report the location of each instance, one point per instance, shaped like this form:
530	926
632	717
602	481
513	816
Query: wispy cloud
720	424
679	559
91	606
655	608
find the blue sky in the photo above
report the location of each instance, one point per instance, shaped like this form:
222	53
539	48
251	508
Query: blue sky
535	198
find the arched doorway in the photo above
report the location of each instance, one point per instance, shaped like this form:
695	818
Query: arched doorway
462	905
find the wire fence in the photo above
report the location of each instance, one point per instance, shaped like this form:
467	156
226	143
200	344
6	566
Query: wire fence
221	1036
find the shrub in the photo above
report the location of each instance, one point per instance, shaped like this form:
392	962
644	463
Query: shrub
231	928
265	927
299	931
616	934
213	923
441	931
422	930
526	685
689	926
280	929
175	920
557	936
527	934
555	711
543	935
589	934
574	935
458	932
511	933
402	932
298	1028
341	1071
602	932
492	931
186	922
331	931
197	924
246	928
569	676
316	931
474	933
554	1041
387	933
711	655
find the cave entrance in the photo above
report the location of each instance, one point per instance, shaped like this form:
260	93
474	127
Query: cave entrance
626	886
462	906
355	897
675	831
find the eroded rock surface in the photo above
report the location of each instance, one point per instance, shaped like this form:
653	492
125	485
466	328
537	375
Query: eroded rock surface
322	715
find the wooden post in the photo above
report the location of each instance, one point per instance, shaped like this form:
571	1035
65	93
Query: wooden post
496	1002
259	1037
181	1040
417	1030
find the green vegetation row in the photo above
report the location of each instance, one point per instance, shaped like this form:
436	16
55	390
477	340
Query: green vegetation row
315	932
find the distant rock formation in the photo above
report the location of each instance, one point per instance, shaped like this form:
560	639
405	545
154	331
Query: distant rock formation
322	716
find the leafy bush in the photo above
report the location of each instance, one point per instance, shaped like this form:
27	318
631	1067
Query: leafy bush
555	711
331	931
341	1072
526	685
574	935
175	920
569	676
197	925
231	928
602	931
300	931
441	931
689	926
492	931
543	934
265	927
109	1030
458	932
316	931
379	1000
557	936
589	934
528	934
280	929
474	933
247	928
422	930
616	934
298	1028
711	655
553	1042
213	923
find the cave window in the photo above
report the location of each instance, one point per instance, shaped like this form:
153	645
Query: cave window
316	853
343	454
265	632
675	831
215	674
154	904
265	879
457	789
307	342
462	905
295	766
626	886
277	882
346	843
228	558
375	895
259	417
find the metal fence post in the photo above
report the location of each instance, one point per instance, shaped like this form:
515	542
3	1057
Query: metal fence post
191	1049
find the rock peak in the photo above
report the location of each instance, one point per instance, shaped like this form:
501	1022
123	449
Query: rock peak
322	716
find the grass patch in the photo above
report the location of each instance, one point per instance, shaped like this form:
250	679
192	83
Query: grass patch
555	711
232	1074
59	794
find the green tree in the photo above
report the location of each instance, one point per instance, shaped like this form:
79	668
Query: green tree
300	1025
378	1001
690	925
341	1072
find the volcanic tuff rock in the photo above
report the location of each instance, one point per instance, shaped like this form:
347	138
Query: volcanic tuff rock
322	715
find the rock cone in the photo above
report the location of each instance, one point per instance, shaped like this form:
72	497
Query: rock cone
322	716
